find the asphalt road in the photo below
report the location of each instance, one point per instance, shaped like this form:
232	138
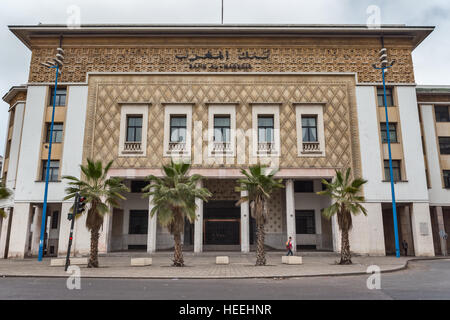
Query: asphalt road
422	280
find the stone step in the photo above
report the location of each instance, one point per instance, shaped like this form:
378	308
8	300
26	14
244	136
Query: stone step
61	262
291	260
141	262
222	260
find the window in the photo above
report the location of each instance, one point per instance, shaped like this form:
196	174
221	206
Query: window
305	222
444	145
265	129
323	186
309	129
447	179
392	132
55	218
137	185
304	186
389	98
60	96
396	169
442	113
57	132
178	129
134	129
222	128
53	170
138	223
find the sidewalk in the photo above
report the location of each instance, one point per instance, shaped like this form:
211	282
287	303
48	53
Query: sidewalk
202	266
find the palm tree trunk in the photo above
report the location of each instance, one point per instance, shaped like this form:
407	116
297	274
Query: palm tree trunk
346	257
260	251
178	260
93	257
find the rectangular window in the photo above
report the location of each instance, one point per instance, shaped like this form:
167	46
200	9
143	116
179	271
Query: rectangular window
137	185
447	179
305	222
60	96
396	169
57	132
444	145
442	113
53	170
55	218
178	129
134	129
324	187
304	186
266	129
138	222
392	132
389	98
309	129
222	128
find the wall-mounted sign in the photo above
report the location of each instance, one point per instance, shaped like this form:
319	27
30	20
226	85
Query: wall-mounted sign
222	60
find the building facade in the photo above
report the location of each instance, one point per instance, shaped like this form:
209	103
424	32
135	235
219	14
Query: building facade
304	99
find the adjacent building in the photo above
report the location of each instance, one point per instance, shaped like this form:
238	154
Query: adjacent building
304	99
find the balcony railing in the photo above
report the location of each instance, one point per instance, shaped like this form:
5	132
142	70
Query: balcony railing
177	147
222	147
132	147
266	147
311	147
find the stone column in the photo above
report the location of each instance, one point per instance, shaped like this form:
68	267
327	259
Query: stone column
198	224
245	224
151	230
20	228
421	229
4	233
105	232
290	213
64	230
37	222
441	226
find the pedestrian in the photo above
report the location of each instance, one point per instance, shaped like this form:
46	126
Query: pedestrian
405	246
289	247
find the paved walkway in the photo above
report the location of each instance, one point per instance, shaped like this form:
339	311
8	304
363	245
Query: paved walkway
202	266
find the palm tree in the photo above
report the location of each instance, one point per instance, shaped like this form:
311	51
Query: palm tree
346	201
259	187
5	193
100	193
173	199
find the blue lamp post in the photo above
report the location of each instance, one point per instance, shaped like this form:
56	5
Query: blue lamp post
56	64
384	66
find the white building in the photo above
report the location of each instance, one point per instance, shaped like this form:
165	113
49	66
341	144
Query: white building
305	98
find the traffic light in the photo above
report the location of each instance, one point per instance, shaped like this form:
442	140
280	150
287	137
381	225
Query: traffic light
81	204
70	216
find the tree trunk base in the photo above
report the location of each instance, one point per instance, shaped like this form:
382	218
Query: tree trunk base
345	262
92	264
178	263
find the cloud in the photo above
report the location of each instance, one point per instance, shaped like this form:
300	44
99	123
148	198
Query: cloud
431	58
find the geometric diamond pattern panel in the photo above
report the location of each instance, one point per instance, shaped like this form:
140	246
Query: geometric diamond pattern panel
337	93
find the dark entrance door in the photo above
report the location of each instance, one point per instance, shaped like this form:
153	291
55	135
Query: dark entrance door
222	223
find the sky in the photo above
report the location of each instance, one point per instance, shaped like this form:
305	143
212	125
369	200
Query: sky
431	58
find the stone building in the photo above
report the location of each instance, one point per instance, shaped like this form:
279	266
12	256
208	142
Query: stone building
304	99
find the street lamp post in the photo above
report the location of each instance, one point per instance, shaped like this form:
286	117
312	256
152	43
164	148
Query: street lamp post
384	66
56	64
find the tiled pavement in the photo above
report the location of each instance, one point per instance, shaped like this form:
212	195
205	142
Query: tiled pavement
202	266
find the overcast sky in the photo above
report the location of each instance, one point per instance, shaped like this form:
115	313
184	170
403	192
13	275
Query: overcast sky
431	59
